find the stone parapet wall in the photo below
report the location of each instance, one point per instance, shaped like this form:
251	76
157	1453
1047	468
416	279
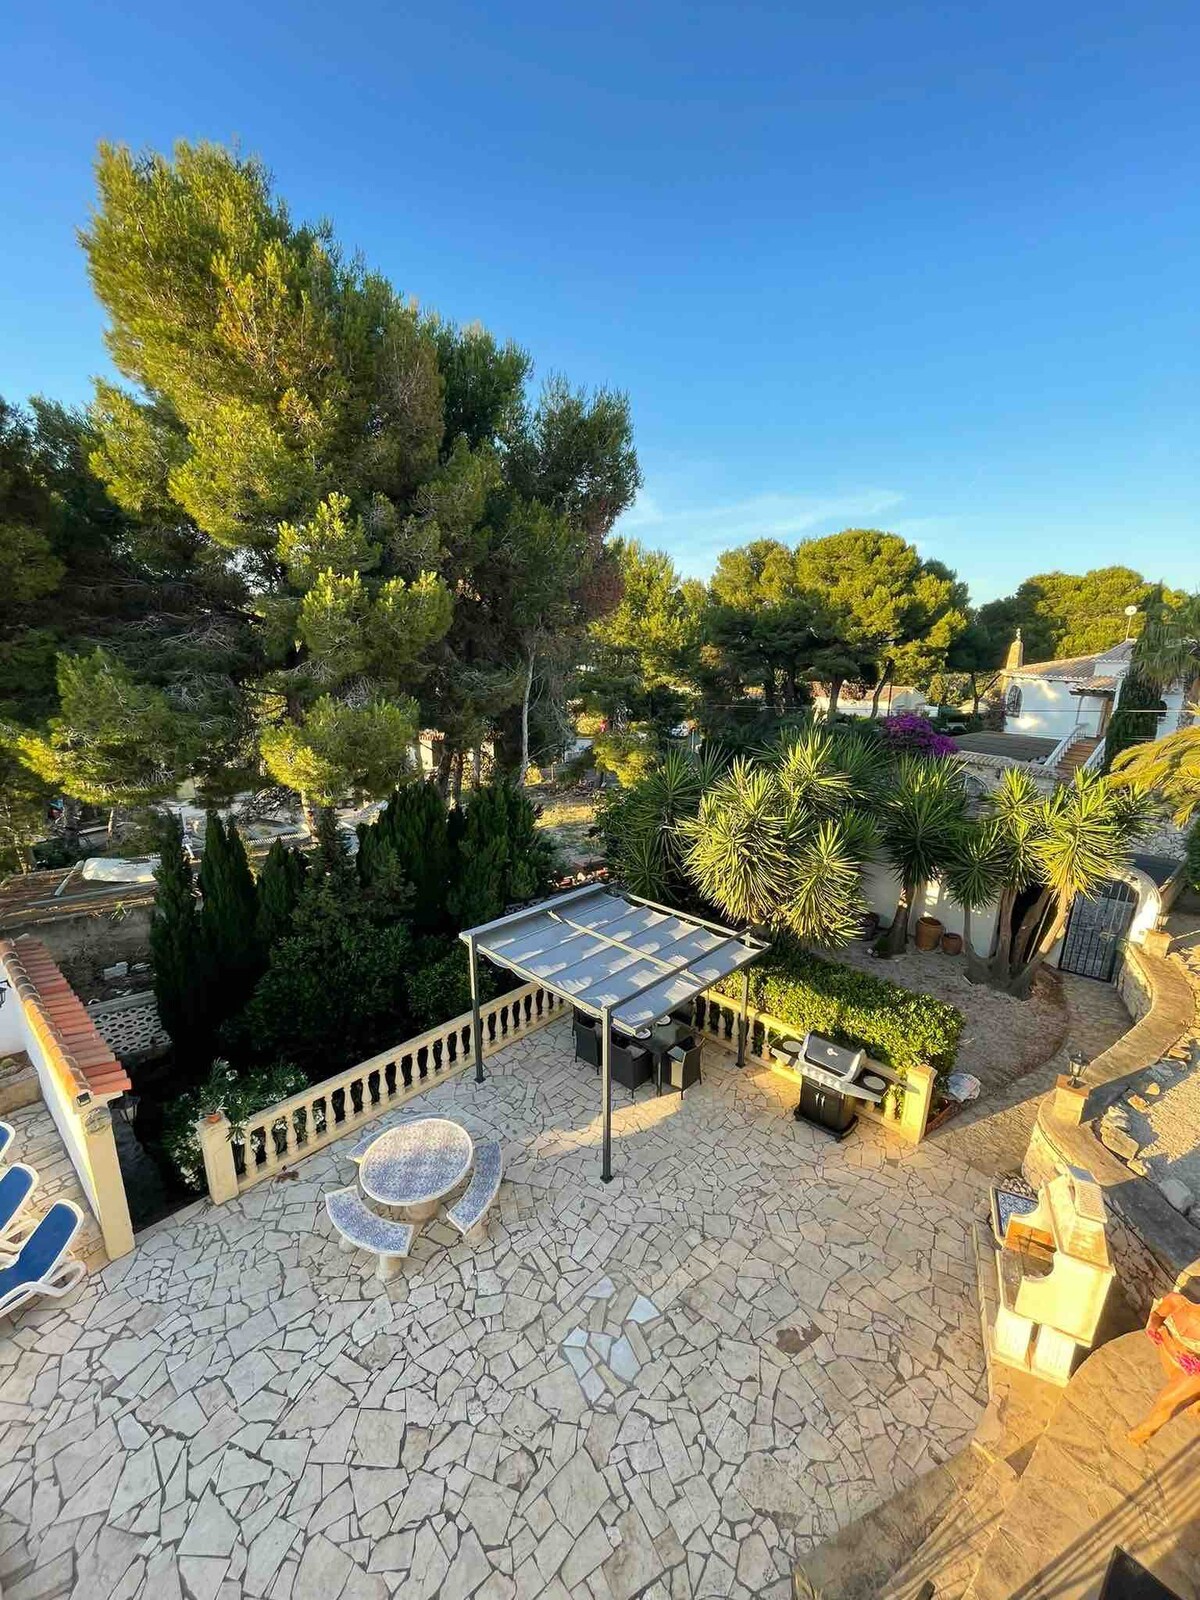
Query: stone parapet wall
1151	1242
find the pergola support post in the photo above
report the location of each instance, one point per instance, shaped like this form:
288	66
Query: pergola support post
476	1020
742	1020
606	1093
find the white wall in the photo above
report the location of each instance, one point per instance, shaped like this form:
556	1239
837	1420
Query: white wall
882	889
1049	710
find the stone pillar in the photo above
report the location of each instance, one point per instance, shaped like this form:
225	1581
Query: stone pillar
108	1186
220	1174
914	1107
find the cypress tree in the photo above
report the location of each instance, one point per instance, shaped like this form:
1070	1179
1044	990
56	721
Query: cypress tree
413	829
228	918
278	890
177	947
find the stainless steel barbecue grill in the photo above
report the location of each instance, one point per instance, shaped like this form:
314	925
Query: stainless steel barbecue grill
833	1081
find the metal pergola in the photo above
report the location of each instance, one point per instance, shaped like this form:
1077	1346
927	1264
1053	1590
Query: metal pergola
615	956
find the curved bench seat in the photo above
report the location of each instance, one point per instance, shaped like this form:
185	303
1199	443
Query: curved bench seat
475	1200
362	1229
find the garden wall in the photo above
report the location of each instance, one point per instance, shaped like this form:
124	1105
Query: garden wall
1151	1243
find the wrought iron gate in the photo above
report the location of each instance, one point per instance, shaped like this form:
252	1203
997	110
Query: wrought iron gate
1095	929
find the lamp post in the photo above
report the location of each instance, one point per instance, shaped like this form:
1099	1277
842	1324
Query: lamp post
1130	613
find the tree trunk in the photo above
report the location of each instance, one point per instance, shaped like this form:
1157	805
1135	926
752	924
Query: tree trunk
884	679
459	762
998	966
975	695
1026	935
524	767
790	680
1022	981
768	689
70	822
896	937
835	689
477	766
445	762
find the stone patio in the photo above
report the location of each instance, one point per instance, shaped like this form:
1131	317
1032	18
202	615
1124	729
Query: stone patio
666	1386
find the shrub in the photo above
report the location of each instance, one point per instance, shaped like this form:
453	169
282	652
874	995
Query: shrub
177	946
909	733
630	756
439	986
501	858
334	987
893	1025
239	1095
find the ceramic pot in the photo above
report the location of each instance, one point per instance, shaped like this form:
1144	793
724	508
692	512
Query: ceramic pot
929	931
952	944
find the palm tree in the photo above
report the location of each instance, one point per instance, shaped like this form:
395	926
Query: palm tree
1083	837
975	875
1168	647
1168	769
919	826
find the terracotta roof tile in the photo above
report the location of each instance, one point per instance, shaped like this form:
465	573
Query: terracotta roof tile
60	1017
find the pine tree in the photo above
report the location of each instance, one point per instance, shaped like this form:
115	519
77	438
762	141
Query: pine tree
177	947
228	919
278	889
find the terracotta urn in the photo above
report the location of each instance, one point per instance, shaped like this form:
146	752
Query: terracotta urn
929	931
952	944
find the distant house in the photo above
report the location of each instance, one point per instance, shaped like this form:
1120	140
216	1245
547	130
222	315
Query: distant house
1056	713
1046	699
894	699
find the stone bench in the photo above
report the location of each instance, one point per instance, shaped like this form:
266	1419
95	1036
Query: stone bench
361	1229
475	1200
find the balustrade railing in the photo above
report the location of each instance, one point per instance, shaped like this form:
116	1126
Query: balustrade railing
235	1159
1071	737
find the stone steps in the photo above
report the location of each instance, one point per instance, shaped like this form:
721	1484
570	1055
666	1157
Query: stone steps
1075	758
862	1560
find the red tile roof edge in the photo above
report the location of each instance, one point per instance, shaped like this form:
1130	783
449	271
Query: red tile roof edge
60	1019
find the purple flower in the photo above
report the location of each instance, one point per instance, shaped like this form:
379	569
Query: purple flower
909	733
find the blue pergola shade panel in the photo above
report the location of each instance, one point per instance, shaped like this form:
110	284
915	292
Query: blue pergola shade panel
604	952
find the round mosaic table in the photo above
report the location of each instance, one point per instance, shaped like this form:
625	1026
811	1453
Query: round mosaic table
413	1166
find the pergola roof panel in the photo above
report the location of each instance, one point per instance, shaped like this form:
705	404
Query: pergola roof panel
605	951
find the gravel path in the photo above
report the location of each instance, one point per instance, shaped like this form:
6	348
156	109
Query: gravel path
1003	1038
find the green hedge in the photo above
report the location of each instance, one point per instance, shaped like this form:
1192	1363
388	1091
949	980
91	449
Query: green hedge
894	1025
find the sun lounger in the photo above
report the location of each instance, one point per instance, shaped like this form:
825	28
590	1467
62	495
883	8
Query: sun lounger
16	1185
43	1265
6	1137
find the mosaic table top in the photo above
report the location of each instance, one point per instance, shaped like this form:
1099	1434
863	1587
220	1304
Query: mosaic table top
416	1161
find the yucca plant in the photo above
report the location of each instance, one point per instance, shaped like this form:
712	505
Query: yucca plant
1085	834
919	824
975	874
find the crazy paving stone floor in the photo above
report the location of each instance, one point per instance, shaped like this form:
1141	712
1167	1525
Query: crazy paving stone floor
666	1386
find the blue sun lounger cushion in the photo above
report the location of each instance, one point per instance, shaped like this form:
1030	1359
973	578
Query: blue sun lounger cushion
16	1185
43	1265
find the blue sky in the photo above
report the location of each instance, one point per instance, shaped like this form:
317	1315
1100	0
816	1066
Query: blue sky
929	268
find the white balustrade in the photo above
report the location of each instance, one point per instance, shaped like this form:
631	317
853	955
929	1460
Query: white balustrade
280	1135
